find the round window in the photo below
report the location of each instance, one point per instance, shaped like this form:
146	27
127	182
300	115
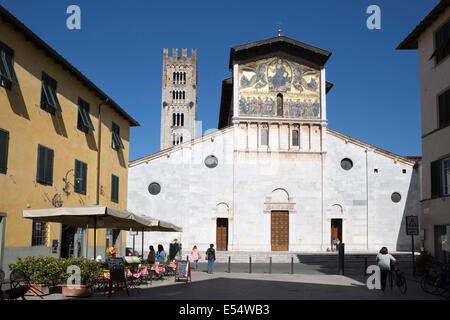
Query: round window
154	188
396	197
211	161
346	164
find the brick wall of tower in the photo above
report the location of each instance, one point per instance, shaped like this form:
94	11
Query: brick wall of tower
185	85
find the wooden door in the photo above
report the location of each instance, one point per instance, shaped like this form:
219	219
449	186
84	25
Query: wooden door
222	234
336	230
279	231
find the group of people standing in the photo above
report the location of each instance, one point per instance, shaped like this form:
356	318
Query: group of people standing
160	256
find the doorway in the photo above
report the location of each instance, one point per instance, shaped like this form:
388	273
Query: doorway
279	230
336	232
222	234
67	241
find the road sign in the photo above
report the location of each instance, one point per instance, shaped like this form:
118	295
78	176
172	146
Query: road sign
412	225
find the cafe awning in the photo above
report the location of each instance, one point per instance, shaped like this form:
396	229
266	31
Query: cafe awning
95	216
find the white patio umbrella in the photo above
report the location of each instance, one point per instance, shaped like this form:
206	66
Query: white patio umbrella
97	216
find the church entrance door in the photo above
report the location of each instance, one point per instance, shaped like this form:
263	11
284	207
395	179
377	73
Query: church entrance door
279	230
336	233
222	234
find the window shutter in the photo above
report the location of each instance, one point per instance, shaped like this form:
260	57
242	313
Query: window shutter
84	177
114	188
77	176
40	175
436	178
49	167
4	141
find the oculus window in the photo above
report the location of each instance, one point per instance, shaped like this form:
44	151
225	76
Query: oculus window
154	188
396	197
211	161
346	164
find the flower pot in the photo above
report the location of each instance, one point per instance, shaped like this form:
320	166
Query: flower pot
41	289
76	291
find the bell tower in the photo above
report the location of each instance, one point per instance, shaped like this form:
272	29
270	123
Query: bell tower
179	97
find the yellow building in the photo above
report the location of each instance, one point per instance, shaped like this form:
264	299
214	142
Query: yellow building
63	142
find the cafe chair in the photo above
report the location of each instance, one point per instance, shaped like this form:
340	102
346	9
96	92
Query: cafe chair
20	284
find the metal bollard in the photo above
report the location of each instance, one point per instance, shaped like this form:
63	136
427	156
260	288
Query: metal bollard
292	265
250	265
270	265
229	264
341	259
365	266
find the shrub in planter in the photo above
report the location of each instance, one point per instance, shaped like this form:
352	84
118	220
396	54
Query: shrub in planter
42	271
89	271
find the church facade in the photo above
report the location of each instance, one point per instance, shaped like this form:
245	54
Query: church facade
274	177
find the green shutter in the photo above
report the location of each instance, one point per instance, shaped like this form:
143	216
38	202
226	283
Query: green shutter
84	177
40	174
77	176
49	97
49	167
436	178
83	116
114	188
4	141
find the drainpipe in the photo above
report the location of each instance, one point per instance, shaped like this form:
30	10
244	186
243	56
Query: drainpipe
99	147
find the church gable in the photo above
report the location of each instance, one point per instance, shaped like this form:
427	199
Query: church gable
278	87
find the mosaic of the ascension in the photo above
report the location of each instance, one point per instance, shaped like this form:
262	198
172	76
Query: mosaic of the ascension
267	84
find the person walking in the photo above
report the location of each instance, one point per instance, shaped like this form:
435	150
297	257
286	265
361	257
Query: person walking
384	260
161	254
195	256
211	256
151	255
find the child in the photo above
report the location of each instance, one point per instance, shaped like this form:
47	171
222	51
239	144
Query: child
195	256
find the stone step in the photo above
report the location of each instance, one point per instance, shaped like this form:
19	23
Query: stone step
302	257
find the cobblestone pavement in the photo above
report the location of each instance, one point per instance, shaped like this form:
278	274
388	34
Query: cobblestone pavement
310	284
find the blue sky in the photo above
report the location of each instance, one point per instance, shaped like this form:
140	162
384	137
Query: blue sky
376	95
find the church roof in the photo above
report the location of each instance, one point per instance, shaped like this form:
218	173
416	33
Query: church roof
411	40
281	43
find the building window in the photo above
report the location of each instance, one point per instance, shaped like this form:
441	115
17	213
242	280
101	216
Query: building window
154	188
211	161
84	120
279	105
264	136
442	42
295	140
444	109
346	164
4	142
80	177
446	164
114	188
39	233
116	140
7	73
396	197
45	165
49	100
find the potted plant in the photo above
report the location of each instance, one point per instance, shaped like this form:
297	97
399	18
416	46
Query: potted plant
89	270
41	272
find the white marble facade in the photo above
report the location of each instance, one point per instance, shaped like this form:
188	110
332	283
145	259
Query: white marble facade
251	180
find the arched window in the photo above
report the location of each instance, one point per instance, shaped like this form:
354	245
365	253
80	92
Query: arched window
181	138
178	119
173	119
173	95
184	95
182	119
184	77
173	79
279	105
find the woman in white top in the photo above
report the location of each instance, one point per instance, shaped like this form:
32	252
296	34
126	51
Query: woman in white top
384	260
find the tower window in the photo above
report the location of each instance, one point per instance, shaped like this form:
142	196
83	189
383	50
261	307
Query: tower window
174	116
295	140
264	136
279	105
182	119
